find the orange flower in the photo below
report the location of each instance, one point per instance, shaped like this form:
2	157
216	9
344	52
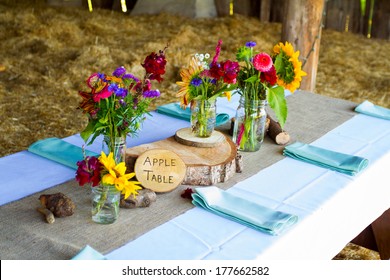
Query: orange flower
87	104
186	75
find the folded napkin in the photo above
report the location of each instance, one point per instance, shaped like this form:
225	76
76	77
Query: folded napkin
60	151
174	110
242	210
340	162
373	110
88	253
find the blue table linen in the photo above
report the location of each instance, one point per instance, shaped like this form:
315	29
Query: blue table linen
59	151
344	163
373	110
88	253
243	211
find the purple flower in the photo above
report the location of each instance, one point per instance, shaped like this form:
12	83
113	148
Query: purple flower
151	93
119	71
122	102
130	76
102	77
113	87
121	92
250	44
196	82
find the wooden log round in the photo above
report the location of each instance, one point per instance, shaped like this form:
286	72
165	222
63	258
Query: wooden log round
204	166
184	136
160	170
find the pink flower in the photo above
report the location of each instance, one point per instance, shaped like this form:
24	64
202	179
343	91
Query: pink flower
217	52
262	62
93	80
240	134
105	93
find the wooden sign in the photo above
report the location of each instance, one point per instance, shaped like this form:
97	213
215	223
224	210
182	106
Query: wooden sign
160	170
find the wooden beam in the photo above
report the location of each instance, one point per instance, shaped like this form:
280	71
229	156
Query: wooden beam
265	10
302	26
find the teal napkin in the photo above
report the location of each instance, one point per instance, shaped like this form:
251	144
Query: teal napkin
242	211
340	162
88	253
59	151
174	110
373	110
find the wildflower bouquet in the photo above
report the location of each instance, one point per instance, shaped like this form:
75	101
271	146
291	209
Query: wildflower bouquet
116	104
263	77
202	83
110	179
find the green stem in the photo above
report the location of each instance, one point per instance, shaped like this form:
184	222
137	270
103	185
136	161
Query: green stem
102	199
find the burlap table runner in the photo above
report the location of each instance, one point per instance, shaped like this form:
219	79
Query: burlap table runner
25	235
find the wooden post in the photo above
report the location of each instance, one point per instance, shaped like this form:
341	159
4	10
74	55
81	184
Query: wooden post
222	7
265	10
302	25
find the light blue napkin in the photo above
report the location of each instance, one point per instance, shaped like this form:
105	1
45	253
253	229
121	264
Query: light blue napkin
242	210
88	253
372	110
59	151
340	162
174	110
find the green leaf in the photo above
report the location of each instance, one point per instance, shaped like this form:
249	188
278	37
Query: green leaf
93	128
104	119
277	102
279	65
252	79
243	54
86	133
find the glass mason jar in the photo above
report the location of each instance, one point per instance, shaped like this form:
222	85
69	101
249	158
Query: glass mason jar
249	125
203	116
117	147
105	204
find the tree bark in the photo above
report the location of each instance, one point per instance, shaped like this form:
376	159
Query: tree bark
204	166
276	133
265	10
302	28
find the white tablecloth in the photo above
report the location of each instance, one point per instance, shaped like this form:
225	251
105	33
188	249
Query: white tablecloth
332	207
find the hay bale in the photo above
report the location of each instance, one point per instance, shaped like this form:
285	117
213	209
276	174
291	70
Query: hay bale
47	53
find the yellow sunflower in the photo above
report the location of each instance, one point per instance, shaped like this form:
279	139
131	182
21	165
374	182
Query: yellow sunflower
187	74
116	175
107	161
289	80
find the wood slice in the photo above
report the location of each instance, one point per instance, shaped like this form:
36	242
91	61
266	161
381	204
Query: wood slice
160	170
184	136
204	166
